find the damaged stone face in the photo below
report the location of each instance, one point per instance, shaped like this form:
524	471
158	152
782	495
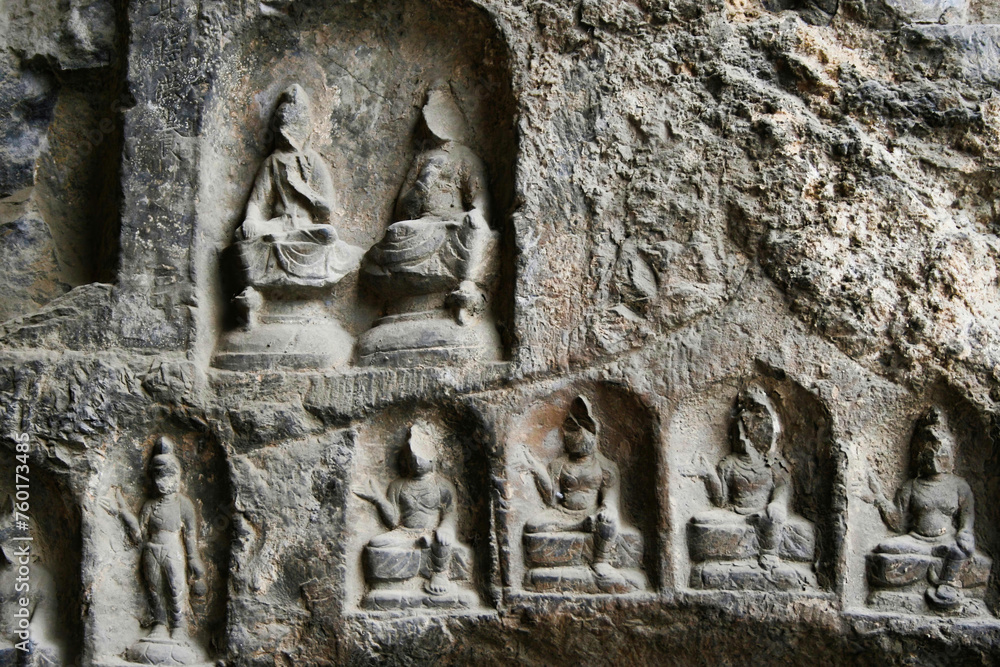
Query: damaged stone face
451	332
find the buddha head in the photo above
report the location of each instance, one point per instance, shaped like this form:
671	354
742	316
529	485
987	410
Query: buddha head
580	429
293	117
165	468
442	117
419	454
755	428
933	445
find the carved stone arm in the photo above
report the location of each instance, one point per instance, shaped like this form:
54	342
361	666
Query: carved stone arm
543	477
386	507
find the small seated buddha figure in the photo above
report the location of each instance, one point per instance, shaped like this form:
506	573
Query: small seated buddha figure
580	543
935	555
416	563
751	540
286	236
434	266
288	255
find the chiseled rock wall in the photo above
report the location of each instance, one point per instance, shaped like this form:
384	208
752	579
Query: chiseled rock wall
683	345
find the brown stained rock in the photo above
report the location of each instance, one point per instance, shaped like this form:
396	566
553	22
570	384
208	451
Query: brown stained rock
695	301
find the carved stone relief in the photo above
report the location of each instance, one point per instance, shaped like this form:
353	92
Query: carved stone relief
579	542
166	531
437	264
757	511
409	166
487	332
570	521
931	563
419	510
38	567
420	501
289	255
168	568
751	539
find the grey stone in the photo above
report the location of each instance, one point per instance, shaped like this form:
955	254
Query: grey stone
561	241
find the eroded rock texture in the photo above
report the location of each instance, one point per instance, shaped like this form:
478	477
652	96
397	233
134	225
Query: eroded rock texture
553	332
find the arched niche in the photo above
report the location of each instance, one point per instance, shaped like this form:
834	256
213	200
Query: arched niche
892	464
120	614
627	438
698	434
366	67
462	442
54	562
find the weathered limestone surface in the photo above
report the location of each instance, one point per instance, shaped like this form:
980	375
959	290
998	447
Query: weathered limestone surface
666	333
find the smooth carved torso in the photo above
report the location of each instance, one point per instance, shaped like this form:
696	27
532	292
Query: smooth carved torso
442	185
421	502
287	186
164	517
580	483
163	521
934	504
747	485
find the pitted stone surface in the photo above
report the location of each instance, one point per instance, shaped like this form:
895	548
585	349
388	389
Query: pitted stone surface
560	332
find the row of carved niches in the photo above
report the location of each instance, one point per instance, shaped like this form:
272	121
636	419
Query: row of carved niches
929	516
757	502
580	491
160	542
40	563
419	513
752	489
363	190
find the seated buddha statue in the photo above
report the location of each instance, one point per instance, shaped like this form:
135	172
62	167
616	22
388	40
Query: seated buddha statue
288	254
935	552
419	510
579	543
751	539
286	235
435	264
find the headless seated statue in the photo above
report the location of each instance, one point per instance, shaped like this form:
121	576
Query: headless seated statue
936	553
435	263
579	542
419	509
751	539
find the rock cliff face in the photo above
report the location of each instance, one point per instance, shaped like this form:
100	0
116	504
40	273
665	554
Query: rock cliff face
553	332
